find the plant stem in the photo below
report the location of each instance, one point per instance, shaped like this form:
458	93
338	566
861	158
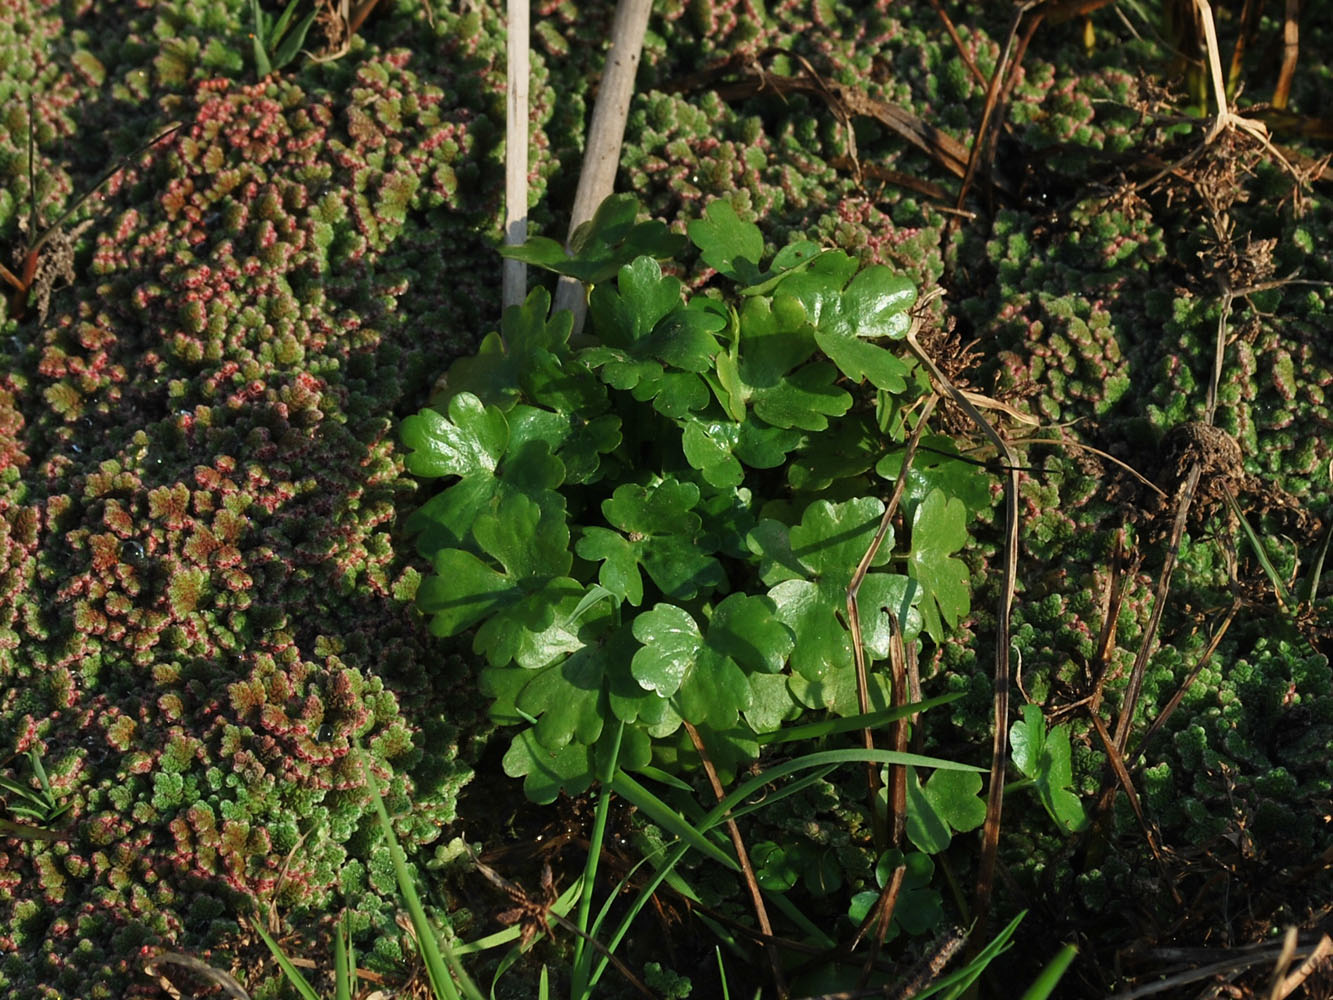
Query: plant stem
514	284
601	158
583	954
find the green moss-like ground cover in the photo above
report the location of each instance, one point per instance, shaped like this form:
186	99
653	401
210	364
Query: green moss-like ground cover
204	592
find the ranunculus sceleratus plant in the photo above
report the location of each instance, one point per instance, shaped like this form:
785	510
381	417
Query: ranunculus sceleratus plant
660	527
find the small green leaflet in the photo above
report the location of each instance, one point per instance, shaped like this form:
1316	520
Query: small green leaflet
948	803
718	447
919	907
731	247
470	445
939	528
471	439
676	663
545	772
938	465
660	534
734	248
873	304
770	370
534	555
567	703
611	239
705	677
1044	757
810	566
530	351
652	343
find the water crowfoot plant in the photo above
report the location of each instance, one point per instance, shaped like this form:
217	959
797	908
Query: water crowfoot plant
651	535
619	531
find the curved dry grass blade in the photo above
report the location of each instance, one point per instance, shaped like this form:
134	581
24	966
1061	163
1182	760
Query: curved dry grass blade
981	140
229	985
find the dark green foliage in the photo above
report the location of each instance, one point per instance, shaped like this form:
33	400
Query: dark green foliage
667	581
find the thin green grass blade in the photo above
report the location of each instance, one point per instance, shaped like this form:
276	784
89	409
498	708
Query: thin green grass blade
668	819
582	951
344	962
544	986
614	895
40	771
1279	585
595	595
812	930
562	906
733	801
434	953
959	982
851	723
1317	569
284	19
292	973
723	810
262	66
291	45
640	901
14	788
664	778
799	785
724	935
1044	985
507	962
722	973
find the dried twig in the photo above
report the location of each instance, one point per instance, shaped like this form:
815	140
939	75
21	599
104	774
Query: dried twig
601	158
1127	783
228	983
898	774
1000	741
876	922
1291	50
514	281
743	857
536	917
981	141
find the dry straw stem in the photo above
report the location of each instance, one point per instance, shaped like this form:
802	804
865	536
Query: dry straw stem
1237	961
541	915
229	985
990	839
898	689
514	286
743	858
1285	985
1225	118
601	158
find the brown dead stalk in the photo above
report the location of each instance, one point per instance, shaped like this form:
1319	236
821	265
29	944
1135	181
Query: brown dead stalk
898	690
990	840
